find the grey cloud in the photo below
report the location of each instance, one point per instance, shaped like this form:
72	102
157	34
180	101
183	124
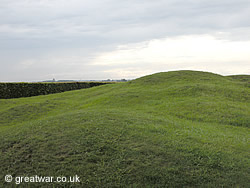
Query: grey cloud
34	28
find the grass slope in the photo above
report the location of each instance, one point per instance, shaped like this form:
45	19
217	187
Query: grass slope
174	129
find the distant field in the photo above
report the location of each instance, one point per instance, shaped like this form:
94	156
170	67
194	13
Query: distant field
173	129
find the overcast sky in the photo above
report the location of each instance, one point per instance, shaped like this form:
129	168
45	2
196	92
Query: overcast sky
114	39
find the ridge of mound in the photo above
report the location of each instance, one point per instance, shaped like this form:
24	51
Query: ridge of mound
179	76
241	78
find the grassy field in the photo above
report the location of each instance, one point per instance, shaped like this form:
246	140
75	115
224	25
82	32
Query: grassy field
174	129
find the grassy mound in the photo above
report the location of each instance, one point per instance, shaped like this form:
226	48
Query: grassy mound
174	129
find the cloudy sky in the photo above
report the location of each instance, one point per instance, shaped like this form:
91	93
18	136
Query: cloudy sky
113	39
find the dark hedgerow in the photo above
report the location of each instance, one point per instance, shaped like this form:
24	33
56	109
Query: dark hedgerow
17	90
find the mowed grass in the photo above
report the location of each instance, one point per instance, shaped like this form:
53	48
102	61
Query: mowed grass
174	129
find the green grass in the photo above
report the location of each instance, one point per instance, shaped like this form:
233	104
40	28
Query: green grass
174	129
